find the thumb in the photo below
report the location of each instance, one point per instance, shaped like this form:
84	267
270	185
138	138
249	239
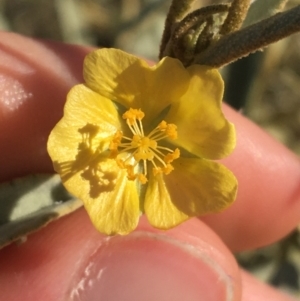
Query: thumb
70	260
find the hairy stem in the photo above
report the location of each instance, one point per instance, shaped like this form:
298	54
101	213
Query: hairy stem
236	16
240	43
177	11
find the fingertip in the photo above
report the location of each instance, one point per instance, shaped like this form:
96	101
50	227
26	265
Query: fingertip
148	266
254	290
268	201
35	78
74	262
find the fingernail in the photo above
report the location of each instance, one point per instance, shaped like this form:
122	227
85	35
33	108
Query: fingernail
148	267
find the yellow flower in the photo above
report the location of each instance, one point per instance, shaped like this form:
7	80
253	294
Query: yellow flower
138	139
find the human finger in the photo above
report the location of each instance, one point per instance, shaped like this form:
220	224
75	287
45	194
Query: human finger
70	260
254	290
268	202
35	77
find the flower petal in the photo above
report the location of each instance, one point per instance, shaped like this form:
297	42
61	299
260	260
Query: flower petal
130	81
89	119
199	186
202	128
159	207
78	147
110	199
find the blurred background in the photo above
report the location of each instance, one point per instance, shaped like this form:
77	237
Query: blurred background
265	86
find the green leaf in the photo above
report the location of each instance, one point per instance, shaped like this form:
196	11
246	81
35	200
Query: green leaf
262	9
29	203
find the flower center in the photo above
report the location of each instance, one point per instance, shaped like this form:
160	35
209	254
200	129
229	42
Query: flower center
141	149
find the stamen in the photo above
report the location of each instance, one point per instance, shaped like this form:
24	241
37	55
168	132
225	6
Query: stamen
130	172
141	127
156	171
132	114
168	169
142	178
172	156
115	142
144	148
164	130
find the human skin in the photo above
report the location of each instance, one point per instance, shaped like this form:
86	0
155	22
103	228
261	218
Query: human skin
35	77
